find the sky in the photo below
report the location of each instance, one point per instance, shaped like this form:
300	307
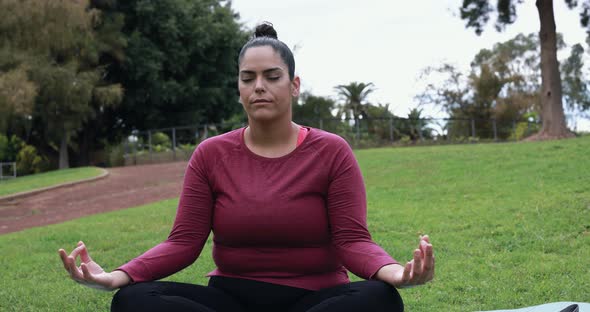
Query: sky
389	42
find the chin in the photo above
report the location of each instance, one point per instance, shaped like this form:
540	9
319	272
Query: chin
262	117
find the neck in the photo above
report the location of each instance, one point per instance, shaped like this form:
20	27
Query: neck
271	133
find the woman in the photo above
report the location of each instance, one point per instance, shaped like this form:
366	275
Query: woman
287	208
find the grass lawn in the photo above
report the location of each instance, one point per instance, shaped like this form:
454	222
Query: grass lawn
46	179
510	224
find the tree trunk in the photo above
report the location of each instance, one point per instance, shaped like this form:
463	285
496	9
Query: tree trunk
64	161
554	126
83	157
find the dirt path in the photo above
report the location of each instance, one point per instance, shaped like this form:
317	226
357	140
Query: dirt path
124	187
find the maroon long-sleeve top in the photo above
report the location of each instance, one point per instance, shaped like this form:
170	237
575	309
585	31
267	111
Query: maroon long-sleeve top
297	220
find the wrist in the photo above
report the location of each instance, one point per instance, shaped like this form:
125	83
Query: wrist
120	279
388	272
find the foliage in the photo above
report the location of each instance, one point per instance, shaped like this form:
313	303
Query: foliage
57	69
115	154
161	139
28	161
9	148
355	96
309	108
180	64
575	86
17	95
503	85
477	13
378	121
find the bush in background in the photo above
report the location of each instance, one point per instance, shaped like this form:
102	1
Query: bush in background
28	161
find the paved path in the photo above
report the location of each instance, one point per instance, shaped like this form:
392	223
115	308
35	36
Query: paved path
124	187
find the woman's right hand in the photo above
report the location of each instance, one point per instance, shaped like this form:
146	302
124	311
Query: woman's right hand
89	273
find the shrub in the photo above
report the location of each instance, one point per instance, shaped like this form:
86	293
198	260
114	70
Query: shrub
160	138
9	148
28	161
115	155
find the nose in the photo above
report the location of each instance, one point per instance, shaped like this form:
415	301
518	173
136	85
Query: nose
259	86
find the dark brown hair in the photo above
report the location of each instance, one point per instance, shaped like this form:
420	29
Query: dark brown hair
266	35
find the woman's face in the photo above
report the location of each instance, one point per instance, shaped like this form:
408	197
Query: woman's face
264	85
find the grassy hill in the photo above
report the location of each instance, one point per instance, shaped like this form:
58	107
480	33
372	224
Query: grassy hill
510	224
47	179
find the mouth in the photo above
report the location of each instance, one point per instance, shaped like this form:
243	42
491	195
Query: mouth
258	101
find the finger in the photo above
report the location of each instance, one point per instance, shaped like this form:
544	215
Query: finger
428	258
76	251
425	238
86	273
432	270
417	267
84	255
407	272
64	258
422	246
75	273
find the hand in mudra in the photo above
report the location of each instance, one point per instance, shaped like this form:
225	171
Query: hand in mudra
418	271
89	273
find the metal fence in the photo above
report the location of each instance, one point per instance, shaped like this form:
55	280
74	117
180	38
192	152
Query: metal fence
178	143
11	166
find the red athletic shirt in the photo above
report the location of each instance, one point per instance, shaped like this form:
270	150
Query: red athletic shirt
298	220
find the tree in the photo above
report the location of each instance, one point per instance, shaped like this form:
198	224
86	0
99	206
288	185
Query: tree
180	65
354	95
17	96
575	87
477	13
503	84
62	62
309	109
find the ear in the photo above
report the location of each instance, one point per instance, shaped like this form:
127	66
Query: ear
295	84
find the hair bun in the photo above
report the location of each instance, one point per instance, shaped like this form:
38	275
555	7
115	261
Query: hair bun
265	30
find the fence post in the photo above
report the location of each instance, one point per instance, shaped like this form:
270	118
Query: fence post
150	144
473	128
495	130
205	131
174	144
134	150
358	128
321	124
14	169
1	175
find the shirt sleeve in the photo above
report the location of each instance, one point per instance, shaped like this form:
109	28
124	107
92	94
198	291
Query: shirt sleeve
347	212
189	233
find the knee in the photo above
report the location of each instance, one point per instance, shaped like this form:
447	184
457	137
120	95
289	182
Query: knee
129	298
385	297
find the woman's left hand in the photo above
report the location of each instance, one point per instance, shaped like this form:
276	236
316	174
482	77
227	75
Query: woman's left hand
418	271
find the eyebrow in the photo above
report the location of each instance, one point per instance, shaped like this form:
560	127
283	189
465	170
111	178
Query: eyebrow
264	71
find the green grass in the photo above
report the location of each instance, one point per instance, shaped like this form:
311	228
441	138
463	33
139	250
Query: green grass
41	180
510	224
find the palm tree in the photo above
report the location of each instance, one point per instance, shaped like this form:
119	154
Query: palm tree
355	96
416	126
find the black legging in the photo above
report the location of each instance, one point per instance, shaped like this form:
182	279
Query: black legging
236	295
